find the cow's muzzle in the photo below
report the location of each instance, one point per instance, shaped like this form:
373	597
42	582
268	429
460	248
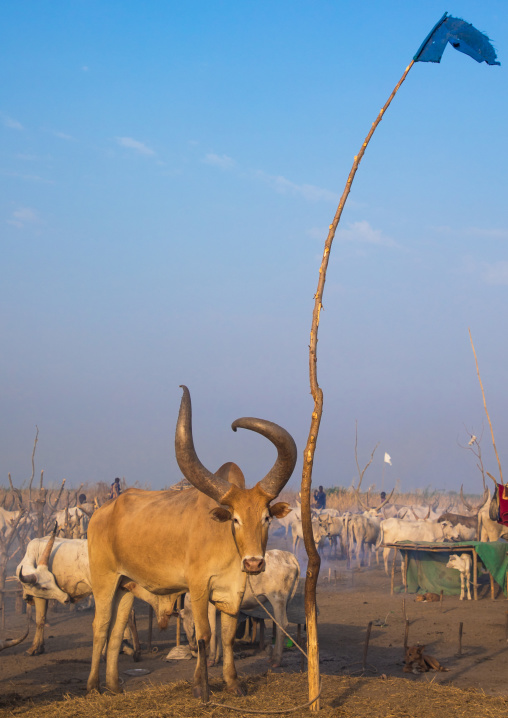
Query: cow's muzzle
253	565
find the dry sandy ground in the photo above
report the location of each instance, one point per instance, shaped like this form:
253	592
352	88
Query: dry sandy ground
346	606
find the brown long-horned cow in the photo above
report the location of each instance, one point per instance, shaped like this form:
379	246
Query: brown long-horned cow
203	541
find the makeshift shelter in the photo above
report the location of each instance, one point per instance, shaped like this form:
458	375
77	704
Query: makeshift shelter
426	572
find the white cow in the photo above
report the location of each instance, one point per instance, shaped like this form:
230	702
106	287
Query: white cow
489	530
53	568
277	584
462	563
337	526
297	532
363	531
393	530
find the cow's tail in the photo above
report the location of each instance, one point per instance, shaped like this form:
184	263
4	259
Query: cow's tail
380	538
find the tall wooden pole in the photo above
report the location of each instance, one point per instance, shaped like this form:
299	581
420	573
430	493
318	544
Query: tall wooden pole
314	560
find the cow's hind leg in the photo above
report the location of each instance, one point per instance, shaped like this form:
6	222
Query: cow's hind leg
122	608
229	624
104	596
41	609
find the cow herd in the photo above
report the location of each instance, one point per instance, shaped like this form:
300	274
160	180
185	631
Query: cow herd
358	535
209	543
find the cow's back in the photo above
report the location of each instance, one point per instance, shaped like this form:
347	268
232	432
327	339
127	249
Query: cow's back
157	538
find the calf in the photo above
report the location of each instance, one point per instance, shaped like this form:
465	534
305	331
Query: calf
462	563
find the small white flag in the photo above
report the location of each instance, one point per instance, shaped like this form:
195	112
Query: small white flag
388	459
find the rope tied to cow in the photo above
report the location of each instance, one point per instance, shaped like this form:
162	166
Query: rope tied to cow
270	712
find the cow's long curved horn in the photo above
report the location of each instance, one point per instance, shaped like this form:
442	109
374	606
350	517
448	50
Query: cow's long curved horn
359	500
14	641
30	579
43	561
385	501
468	506
485	497
190	466
279	474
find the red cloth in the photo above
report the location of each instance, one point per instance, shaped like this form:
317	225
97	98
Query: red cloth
502	492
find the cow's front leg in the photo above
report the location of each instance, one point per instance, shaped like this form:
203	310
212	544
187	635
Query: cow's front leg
229	624
41	610
203	632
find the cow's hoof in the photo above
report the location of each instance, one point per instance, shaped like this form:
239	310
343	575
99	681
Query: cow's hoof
275	664
196	691
35	651
236	690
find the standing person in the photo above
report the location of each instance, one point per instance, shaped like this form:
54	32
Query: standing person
116	489
320	498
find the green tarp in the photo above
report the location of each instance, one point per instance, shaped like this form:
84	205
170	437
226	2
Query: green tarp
427	572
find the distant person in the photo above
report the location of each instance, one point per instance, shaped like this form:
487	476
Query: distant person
319	499
383	495
116	489
82	499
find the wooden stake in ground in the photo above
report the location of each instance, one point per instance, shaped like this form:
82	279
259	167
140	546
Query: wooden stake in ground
480	49
314	560
366	645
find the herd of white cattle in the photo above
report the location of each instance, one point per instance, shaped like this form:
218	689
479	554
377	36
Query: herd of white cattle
56	568
359	535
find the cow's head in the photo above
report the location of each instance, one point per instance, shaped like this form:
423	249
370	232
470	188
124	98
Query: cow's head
248	510
41	582
450	533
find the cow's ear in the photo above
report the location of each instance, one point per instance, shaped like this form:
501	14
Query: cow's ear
278	511
220	514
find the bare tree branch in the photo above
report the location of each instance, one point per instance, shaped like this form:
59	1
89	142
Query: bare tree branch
486	411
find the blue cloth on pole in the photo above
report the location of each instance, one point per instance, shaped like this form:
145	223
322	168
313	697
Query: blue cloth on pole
462	36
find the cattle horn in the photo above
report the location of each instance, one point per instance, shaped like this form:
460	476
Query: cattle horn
14	641
30	579
279	474
43	561
491	477
190	466
468	506
359	500
385	501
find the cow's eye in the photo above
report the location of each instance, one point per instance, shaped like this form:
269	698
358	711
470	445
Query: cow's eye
235	521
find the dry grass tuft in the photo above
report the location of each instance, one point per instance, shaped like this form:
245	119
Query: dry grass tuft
341	696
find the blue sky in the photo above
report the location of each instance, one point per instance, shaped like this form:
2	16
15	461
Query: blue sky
169	171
